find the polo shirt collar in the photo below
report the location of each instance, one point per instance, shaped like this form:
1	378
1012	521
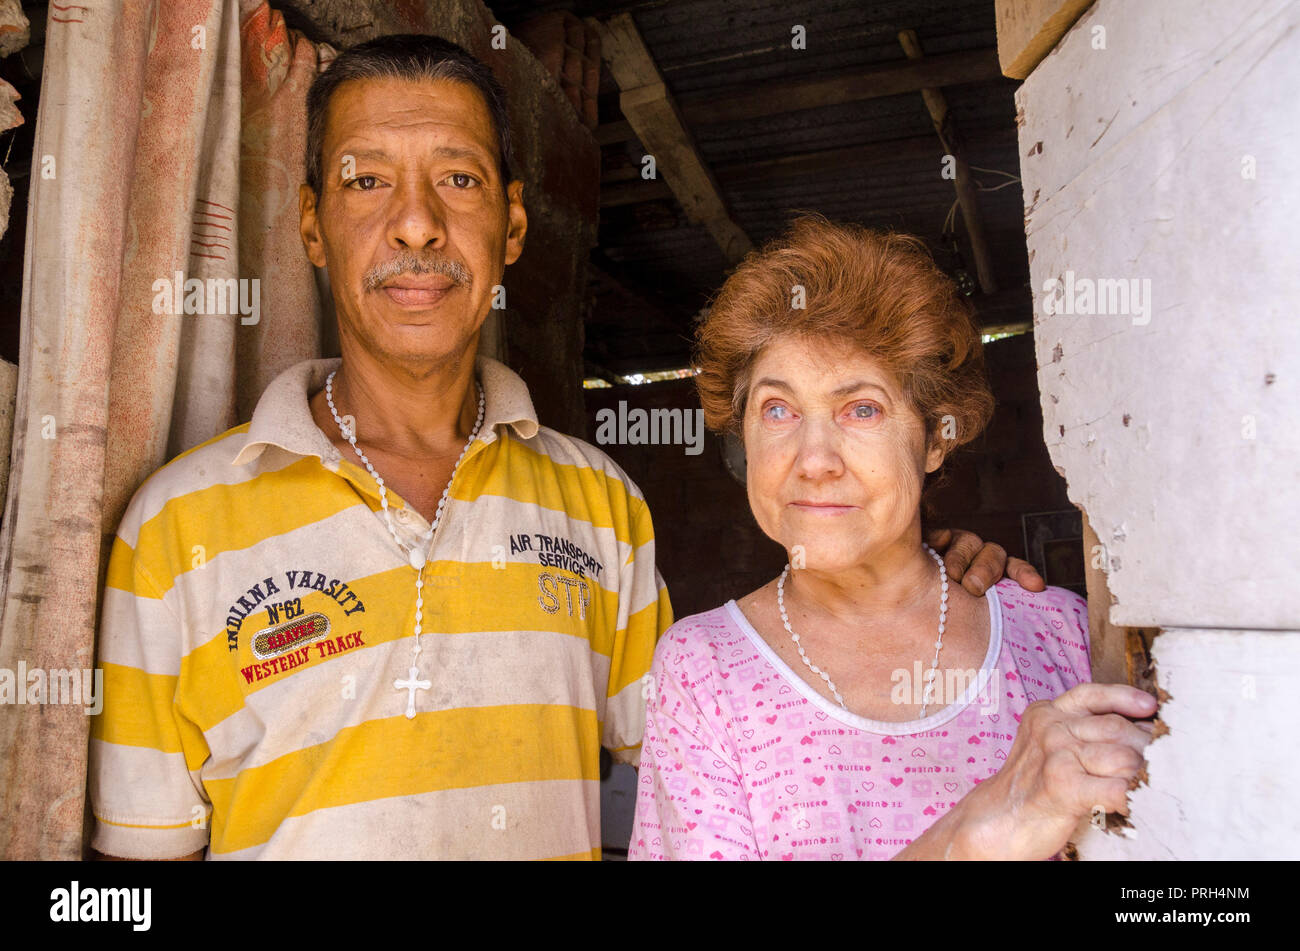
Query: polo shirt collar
283	417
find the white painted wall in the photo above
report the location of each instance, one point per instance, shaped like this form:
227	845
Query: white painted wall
1169	158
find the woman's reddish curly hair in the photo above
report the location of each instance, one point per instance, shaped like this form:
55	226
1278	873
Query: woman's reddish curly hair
880	292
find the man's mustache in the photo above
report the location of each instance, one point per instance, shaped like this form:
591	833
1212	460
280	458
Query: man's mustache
409	263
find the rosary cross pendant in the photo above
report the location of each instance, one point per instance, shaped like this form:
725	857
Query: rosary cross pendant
411	685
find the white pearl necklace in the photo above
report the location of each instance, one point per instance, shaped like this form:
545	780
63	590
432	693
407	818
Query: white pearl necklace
938	644
417	556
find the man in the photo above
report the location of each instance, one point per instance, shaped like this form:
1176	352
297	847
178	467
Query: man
391	617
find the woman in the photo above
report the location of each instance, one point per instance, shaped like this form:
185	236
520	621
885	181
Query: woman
860	706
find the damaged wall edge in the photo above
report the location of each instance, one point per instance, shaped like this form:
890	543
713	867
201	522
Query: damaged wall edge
1186	503
1215	786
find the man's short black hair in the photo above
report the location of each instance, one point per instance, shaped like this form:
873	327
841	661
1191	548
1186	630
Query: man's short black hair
411	56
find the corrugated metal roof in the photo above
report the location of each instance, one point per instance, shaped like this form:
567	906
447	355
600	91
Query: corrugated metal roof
708	48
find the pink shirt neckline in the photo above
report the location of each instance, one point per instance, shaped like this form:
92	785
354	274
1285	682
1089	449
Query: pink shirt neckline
901	728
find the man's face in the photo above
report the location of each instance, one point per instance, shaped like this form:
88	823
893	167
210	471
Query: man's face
413	221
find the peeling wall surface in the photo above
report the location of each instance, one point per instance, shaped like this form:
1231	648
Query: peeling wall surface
1157	150
1223	778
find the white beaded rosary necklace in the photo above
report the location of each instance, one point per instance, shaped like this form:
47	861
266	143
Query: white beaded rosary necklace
418	556
938	644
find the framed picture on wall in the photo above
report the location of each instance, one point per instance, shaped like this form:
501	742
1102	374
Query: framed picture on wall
1054	546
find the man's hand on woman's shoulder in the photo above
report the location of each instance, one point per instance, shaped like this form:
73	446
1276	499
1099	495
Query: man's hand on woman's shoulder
978	564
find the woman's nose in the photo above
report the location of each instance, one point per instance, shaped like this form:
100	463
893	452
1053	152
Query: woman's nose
819	450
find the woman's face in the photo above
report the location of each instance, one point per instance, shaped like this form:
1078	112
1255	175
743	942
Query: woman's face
835	454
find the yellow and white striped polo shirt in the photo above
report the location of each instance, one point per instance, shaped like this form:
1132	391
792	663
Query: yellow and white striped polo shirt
258	613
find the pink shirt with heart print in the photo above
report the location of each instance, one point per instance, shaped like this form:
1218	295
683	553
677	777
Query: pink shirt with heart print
743	760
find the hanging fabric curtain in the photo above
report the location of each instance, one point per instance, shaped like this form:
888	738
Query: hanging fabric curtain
169	148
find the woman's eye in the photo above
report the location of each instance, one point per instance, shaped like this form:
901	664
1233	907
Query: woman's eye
865	411
776	413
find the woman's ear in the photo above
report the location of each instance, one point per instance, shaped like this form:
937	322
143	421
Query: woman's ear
936	451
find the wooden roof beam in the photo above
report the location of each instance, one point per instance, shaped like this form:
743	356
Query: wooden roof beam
652	113
918	148
769	99
625	186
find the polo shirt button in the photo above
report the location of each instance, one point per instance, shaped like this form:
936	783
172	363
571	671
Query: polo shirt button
403	515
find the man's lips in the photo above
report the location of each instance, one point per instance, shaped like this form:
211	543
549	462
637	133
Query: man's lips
418	291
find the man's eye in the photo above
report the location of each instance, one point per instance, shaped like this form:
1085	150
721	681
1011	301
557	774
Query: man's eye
461	180
360	179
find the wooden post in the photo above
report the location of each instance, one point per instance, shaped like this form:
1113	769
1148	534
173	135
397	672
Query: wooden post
948	138
1029	29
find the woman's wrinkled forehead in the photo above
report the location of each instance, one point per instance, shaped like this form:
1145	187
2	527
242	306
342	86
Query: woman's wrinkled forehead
821	366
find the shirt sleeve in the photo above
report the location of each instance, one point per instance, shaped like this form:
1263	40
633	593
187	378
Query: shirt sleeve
690	800
144	785
644	613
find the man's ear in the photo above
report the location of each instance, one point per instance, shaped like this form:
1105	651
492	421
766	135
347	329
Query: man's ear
517	225
309	226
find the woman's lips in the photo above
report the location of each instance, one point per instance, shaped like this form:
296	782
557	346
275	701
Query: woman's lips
822	508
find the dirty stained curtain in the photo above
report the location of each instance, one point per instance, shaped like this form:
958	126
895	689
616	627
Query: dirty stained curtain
168	140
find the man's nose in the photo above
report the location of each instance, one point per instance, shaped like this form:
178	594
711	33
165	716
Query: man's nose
419	217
